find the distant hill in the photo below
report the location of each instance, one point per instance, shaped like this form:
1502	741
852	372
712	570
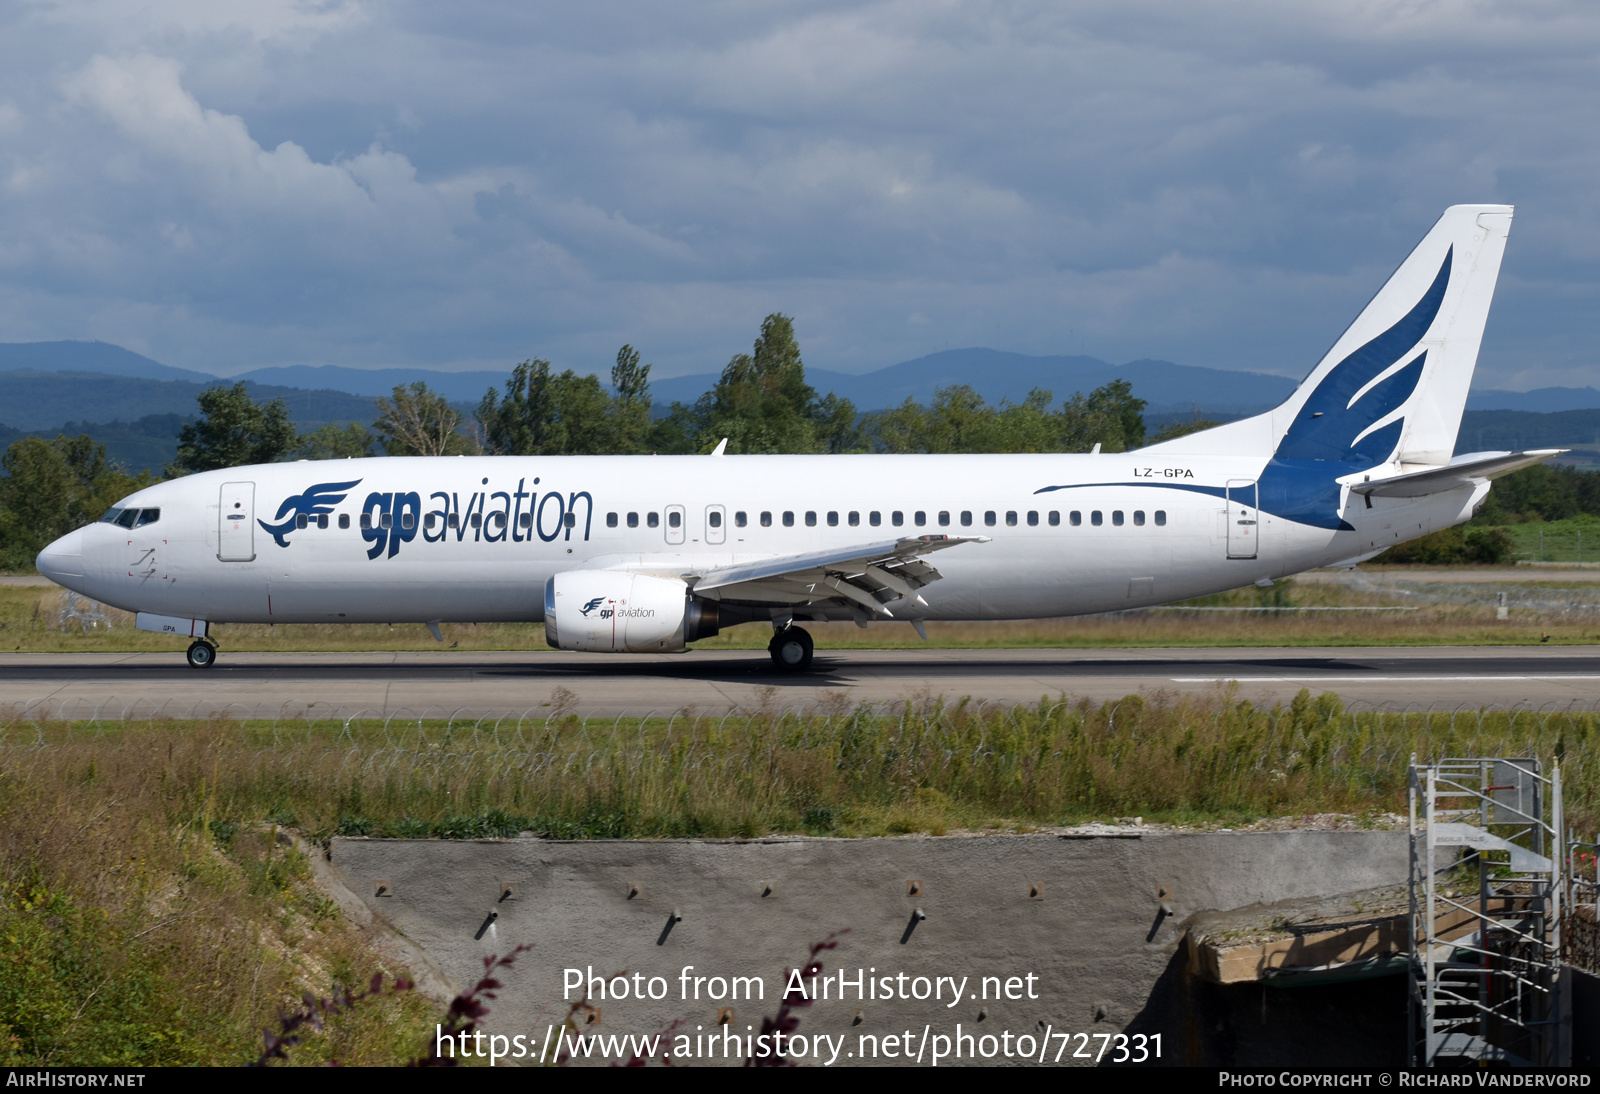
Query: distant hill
98	357
996	375
34	400
463	387
1514	430
1543	400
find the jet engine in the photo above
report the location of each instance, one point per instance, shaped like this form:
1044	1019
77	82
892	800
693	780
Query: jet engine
613	611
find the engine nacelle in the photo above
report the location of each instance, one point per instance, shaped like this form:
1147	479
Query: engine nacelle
613	611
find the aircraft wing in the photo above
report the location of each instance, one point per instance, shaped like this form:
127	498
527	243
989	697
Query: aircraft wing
866	576
1461	471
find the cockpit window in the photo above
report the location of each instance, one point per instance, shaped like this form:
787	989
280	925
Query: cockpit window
111	515
126	519
148	516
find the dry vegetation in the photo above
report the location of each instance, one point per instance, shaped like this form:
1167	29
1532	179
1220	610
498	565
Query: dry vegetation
141	926
151	916
31	621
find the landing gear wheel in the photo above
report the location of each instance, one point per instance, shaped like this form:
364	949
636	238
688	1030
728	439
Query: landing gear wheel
791	650
202	655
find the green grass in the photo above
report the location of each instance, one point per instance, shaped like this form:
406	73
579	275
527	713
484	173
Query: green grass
922	766
1576	540
31	621
151	916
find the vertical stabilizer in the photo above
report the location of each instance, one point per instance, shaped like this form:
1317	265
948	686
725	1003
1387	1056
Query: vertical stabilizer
1393	387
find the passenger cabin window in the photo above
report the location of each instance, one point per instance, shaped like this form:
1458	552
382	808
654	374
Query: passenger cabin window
944	518
344	520
833	519
409	520
387	520
633	520
788	519
1138	518
1011	517
1161	518
966	518
570	520
766	519
1033	518
739	519
1116	517
1096	519
1055	518
714	519
322	520
874	518
366	521
300	520
989	518
526	520
921	518
897	518
1077	518
454	521
674	519
854	518
653	519
811	518
477	520
611	520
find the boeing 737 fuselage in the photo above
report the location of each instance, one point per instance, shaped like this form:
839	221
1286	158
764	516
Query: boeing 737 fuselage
650	553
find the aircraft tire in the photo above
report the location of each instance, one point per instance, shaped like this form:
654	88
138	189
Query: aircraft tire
791	650
202	655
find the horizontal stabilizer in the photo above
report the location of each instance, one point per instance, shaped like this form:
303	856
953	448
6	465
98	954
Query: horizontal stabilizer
1467	470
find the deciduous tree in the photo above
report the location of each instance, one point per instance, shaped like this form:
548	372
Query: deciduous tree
418	421
233	430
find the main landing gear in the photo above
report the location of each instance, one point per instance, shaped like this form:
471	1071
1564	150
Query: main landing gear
202	653
791	650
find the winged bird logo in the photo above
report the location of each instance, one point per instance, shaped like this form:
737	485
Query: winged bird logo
1336	432
592	605
316	501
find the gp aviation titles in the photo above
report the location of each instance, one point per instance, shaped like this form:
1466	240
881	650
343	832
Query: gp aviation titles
1406	1078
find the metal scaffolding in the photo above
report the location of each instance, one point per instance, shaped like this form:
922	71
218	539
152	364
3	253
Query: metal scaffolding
1487	853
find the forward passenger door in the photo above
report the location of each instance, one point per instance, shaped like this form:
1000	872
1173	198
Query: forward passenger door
236	522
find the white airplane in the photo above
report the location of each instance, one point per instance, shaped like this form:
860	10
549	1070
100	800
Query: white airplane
646	554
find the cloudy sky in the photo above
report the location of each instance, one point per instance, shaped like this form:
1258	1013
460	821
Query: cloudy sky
229	185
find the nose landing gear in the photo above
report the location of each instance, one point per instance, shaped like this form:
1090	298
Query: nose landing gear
202	653
791	650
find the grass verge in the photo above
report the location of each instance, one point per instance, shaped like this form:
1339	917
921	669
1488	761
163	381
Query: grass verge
32	620
150	916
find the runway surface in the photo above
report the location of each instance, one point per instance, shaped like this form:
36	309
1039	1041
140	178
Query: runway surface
467	683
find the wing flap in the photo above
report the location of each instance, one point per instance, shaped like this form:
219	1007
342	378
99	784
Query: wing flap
865	577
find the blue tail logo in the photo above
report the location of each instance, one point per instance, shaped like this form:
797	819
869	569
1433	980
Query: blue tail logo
1333	434
317	501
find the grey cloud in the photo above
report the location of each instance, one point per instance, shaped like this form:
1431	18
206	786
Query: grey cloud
227	186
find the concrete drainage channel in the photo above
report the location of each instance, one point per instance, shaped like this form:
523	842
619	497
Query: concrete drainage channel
972	949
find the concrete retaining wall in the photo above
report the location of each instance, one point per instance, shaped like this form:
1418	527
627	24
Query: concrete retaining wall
1081	916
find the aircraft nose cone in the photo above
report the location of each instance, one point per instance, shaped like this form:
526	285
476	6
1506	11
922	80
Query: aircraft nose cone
62	561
